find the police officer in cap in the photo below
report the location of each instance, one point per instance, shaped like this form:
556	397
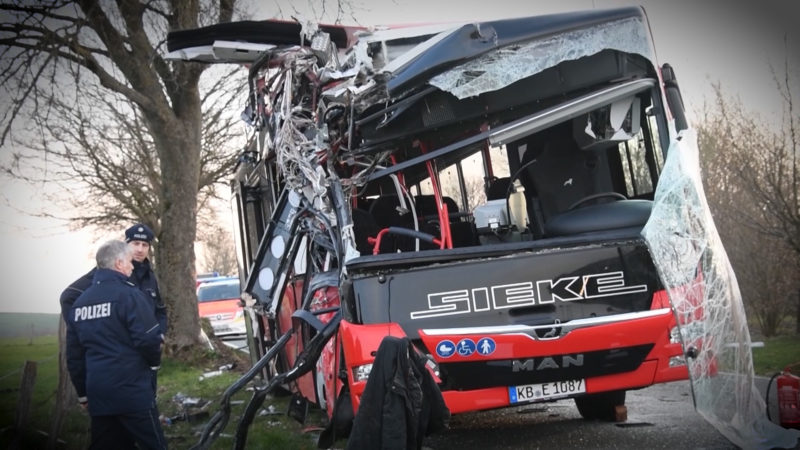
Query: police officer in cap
113	348
139	238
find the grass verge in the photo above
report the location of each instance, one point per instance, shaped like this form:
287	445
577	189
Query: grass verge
777	353
271	428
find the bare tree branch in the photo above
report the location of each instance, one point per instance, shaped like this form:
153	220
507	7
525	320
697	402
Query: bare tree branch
106	117
751	168
128	135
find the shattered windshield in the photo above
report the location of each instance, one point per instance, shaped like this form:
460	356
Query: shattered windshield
702	287
505	66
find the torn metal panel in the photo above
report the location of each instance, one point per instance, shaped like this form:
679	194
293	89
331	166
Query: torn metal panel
222	51
401	46
273	32
699	279
509	64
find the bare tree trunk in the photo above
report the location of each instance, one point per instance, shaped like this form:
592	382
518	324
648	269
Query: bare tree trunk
110	54
65	393
175	259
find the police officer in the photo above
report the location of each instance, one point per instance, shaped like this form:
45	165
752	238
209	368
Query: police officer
139	238
113	346
73	291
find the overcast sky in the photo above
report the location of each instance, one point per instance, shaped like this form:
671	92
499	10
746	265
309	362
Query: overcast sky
706	41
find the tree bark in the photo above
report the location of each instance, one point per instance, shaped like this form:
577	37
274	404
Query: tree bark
178	141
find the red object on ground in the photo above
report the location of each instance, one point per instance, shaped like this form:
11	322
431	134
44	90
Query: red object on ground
789	399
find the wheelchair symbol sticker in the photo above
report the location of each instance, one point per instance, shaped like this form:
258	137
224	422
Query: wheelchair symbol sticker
465	347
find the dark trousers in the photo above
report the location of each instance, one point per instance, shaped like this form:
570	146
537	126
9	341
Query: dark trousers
123	431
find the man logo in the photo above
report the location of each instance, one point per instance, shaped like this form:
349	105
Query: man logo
537	364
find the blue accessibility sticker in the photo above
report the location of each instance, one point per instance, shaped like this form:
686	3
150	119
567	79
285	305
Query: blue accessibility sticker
486	346
465	347
445	349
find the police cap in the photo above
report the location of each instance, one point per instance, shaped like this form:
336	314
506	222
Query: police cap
139	232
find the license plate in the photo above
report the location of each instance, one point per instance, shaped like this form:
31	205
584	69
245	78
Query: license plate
544	391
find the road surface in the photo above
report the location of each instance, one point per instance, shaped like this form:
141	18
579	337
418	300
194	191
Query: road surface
659	417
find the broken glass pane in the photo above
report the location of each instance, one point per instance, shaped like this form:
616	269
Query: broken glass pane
500	68
702	287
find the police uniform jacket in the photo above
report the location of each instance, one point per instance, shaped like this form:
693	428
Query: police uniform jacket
144	277
113	346
73	291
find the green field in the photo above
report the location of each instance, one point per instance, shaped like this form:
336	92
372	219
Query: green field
27	324
777	353
273	430
13	354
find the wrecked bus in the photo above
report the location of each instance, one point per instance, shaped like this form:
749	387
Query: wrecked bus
479	189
